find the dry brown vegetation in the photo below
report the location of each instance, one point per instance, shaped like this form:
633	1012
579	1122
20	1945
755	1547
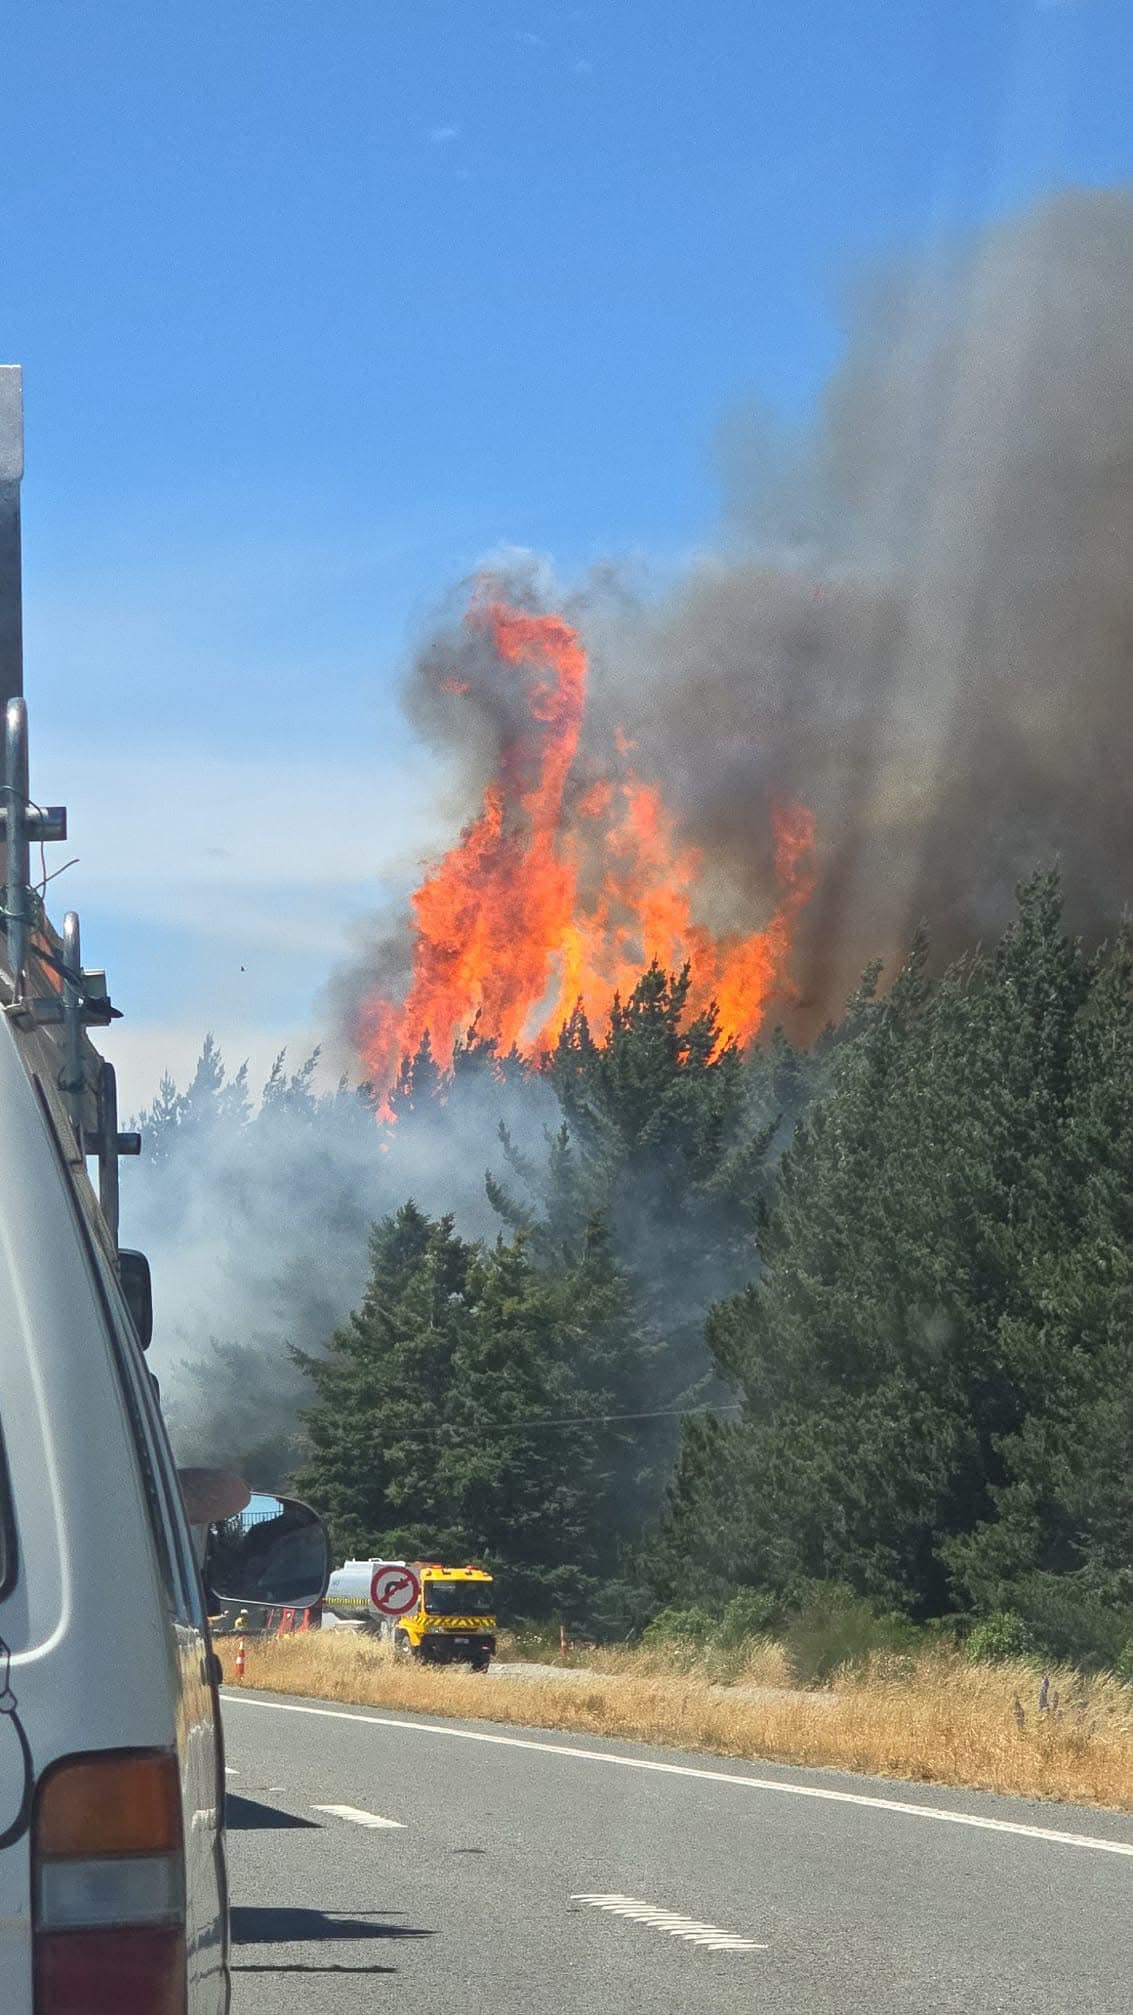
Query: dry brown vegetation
932	1718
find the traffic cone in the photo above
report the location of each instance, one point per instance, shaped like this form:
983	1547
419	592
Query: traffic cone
239	1667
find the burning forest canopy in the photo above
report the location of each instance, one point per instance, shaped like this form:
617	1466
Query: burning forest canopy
570	879
899	687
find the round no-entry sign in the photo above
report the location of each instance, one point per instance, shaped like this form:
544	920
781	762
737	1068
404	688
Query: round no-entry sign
394	1590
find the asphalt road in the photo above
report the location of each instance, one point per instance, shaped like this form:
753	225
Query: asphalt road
721	1886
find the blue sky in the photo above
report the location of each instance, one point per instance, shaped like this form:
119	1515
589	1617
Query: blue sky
320	303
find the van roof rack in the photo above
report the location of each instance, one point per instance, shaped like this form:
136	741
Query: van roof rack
44	986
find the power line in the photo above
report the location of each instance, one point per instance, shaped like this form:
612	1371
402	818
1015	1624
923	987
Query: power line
577	1420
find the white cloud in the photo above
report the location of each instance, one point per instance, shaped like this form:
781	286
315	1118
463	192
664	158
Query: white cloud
159	821
442	136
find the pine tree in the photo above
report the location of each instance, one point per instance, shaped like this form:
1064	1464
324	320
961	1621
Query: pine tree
464	1412
887	1358
804	1486
664	1128
1057	1544
382	1392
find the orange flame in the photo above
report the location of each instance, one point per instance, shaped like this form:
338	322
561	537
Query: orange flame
554	896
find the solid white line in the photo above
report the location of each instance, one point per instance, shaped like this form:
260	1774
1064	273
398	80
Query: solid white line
359	1818
690	1929
976	1819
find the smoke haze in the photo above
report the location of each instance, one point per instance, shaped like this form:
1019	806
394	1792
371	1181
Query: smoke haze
255	1215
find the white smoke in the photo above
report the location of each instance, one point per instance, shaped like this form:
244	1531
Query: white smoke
255	1216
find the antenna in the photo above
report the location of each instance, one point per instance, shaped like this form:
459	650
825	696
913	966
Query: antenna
11	473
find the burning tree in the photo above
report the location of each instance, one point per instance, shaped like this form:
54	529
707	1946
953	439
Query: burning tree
570	879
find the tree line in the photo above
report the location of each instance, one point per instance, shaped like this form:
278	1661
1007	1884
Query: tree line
859	1314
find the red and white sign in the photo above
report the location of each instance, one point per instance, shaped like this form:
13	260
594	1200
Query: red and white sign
394	1590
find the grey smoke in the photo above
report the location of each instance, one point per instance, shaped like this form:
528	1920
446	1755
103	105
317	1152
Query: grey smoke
924	626
919	619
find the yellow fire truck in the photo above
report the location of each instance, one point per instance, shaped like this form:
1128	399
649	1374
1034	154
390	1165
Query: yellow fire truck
450	1620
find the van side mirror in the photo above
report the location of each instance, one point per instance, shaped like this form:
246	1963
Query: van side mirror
134	1274
275	1553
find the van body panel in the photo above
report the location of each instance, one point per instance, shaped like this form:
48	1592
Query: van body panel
103	1617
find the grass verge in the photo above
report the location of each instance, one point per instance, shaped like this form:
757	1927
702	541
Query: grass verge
932	1718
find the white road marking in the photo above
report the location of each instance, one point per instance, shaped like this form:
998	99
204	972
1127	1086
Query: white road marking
360	1818
1100	1845
229	1771
689	1928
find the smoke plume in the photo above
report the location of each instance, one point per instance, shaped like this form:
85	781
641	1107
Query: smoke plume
918	624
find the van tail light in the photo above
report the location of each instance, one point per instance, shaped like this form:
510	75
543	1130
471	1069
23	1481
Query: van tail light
109	1886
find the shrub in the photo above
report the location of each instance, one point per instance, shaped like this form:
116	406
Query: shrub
944	1631
680	1626
1001	1635
1123	1665
752	1613
833	1627
1073	1622
529	1640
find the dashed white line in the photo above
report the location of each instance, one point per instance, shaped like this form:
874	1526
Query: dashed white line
906	1809
357	1817
690	1929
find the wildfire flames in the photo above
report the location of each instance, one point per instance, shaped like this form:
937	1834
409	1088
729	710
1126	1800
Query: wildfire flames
566	885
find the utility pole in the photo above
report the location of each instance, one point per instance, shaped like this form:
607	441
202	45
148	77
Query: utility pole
11	472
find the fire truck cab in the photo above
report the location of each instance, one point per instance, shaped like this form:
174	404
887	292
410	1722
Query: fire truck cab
454	1621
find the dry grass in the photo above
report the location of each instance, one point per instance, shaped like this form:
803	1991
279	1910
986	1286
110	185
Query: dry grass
762	1661
933	1719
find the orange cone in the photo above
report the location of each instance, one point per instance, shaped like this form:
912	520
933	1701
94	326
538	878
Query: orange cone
239	1668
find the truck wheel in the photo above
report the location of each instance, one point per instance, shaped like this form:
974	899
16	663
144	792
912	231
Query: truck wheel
481	1661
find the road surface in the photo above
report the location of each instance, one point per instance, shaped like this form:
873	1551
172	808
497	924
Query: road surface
529	1871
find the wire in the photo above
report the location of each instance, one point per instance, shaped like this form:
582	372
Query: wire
21	1820
577	1420
44	876
9	790
55	872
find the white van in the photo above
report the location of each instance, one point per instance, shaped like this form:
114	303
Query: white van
112	1872
112	1887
